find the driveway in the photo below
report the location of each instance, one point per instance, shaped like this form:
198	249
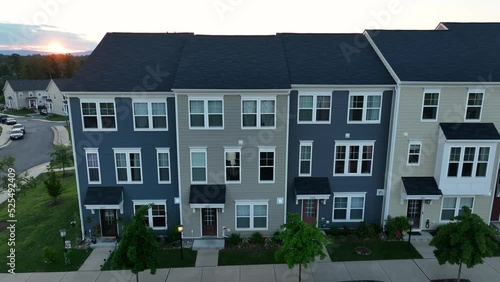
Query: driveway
34	149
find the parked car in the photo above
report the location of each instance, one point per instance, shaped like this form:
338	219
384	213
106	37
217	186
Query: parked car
16	134
19	126
10	121
3	118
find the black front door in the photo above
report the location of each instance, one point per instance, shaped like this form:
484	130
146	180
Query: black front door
209	222
108	223
414	211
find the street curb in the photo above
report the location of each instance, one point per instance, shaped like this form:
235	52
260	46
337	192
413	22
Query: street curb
56	140
44	120
4	132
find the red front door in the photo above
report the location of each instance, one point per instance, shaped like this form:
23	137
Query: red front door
495	211
414	211
209	222
310	211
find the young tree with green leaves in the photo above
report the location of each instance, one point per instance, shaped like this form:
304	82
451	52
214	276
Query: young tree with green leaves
53	185
467	239
138	246
301	243
23	182
61	156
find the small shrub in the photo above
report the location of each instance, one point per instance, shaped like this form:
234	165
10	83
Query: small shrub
233	240
172	235
257	238
335	231
49	255
346	231
396	226
365	231
277	237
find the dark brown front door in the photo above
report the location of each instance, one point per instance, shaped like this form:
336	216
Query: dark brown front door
414	211
209	222
495	211
108	223
310	211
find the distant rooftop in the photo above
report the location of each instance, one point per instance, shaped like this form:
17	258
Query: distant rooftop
28	84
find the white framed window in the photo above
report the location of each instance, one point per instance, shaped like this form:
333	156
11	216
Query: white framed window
128	165
206	113
266	164
65	108
150	115
414	150
364	107
156	216
348	207
305	158
452	206
314	108
232	165
468	161
93	168
474	105
353	158
430	105
251	215
198	165
21	94
163	162
258	112
98	115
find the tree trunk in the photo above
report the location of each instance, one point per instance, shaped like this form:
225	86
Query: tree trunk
459	271
137	277
300	272
64	170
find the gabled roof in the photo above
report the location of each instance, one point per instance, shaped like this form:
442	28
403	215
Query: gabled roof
131	62
29	84
470	131
472	26
62	83
232	62
333	59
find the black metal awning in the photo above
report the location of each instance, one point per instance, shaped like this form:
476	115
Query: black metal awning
104	198
420	188
312	188
470	131
207	196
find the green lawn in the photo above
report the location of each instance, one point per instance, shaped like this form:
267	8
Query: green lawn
57	118
167	259
242	257
19	112
380	250
38	226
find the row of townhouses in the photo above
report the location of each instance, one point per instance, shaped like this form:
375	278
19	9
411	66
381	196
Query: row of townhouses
227	134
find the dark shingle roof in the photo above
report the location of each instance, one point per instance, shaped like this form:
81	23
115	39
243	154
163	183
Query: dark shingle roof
28	84
312	186
470	131
232	62
456	55
103	196
472	26
424	186
62	83
327	59
207	194
131	62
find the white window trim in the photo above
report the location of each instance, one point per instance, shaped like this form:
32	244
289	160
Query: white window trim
267	149
457	206
205	113
474	163
349	195
93	151
305	143
128	151
150	114
158	152
365	105
231	150
150	214
251	203
419	153
98	112
360	143
198	150
258	100
473	90
315	97
426	91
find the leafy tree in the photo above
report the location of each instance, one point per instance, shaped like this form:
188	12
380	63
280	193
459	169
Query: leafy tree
138	247
15	60
301	243
23	182
468	239
61	156
53	185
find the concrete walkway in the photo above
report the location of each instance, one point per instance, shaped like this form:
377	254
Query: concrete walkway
96	259
61	135
5	136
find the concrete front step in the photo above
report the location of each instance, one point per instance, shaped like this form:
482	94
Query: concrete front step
200	244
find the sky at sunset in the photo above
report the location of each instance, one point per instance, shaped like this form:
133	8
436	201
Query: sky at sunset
72	26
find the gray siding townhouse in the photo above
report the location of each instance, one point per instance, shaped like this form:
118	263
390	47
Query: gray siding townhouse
25	93
123	127
444	148
340	110
232	97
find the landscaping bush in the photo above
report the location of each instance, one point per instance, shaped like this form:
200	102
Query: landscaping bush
365	231
335	231
346	231
172	235
396	226
233	240
49	255
277	237
257	238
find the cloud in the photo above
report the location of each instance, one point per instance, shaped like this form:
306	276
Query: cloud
15	36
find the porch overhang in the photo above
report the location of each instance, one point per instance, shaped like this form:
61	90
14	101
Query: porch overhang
207	196
110	198
420	188
312	188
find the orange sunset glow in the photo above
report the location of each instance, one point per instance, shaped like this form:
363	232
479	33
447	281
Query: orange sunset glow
57	48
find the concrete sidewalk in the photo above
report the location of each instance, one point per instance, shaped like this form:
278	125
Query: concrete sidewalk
5	136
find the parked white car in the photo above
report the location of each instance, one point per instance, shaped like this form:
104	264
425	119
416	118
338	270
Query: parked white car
19	126
10	121
16	134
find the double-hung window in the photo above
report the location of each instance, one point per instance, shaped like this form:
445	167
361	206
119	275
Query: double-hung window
364	108
348	206
258	112
156	216
266	164
198	165
150	115
314	108
430	105
468	161
474	105
414	149
93	170
98	115
251	215
163	158
452	206
233	165
353	158
128	165
206	113
305	158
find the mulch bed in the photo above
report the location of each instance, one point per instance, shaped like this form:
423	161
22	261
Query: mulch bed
363	251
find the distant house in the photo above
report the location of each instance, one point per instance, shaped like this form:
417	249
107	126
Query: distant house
56	102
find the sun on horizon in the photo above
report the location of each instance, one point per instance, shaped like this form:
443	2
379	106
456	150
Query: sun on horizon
57	48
